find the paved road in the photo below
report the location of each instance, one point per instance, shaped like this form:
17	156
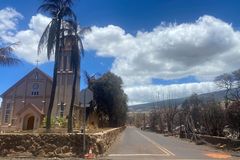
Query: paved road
136	144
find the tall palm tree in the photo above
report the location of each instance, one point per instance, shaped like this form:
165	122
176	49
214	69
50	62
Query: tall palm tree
77	51
6	56
52	37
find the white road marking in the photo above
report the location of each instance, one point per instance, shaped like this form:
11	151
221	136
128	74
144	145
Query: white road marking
132	155
167	152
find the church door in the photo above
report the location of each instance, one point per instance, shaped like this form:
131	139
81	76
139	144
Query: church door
30	123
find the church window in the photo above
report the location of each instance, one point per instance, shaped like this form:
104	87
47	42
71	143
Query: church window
7	113
35	89
36	76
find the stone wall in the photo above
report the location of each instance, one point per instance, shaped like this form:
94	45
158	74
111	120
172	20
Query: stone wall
105	139
55	145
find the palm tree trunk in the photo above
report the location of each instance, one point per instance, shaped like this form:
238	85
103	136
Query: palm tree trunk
70	115
54	84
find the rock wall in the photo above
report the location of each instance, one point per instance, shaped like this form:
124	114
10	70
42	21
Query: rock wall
55	145
105	139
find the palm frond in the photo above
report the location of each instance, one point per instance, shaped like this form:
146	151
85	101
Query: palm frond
83	31
81	49
68	2
67	13
47	7
51	41
43	39
6	56
50	8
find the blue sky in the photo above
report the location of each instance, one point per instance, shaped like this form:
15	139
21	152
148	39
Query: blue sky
188	42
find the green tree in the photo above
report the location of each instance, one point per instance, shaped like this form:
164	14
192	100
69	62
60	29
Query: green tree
53	38
110	99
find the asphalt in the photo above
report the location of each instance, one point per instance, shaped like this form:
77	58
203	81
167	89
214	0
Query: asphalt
135	144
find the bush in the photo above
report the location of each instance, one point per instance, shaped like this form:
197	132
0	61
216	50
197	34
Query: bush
213	119
43	124
233	116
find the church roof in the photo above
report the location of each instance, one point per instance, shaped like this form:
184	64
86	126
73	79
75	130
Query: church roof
27	75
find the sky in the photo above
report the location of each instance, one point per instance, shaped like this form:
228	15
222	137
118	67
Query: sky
166	47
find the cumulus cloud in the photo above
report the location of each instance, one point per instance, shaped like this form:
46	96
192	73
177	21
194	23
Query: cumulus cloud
27	39
204	49
8	20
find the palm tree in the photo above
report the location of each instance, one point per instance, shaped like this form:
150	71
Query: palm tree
52	37
6	56
77	51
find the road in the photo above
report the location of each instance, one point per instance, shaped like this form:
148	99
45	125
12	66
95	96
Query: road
134	144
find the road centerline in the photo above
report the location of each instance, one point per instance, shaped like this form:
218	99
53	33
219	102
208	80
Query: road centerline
132	155
166	151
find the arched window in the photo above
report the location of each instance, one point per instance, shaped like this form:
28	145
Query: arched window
36	76
35	89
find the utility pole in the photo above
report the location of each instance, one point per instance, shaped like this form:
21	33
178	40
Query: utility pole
144	121
86	96
84	123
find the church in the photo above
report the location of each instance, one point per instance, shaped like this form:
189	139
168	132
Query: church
25	104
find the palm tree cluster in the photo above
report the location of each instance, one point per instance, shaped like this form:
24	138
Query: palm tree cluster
63	27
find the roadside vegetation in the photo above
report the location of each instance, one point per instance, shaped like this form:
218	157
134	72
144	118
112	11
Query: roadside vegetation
110	101
197	115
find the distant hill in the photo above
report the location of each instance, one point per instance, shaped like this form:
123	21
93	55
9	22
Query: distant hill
146	107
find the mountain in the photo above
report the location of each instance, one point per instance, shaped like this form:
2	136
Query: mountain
146	107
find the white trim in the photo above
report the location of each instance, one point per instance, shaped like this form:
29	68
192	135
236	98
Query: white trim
132	155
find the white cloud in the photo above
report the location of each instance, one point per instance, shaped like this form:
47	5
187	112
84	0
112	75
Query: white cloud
28	39
8	20
204	49
151	93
